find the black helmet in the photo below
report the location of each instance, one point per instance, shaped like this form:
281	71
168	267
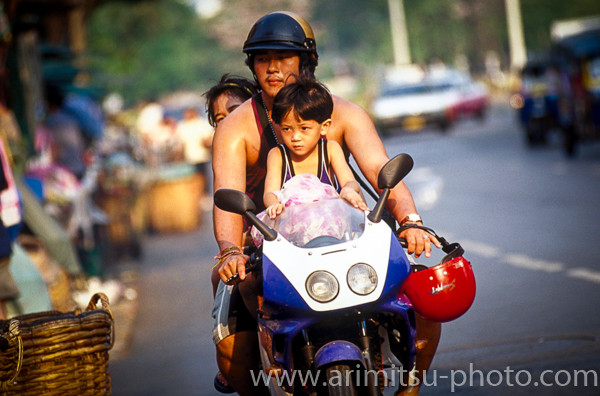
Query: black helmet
281	30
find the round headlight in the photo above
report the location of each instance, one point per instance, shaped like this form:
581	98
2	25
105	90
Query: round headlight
322	286
362	279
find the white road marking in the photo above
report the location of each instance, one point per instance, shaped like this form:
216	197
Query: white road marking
480	248
523	261
585	274
488	251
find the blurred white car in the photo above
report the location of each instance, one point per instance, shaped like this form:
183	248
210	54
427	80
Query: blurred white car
438	99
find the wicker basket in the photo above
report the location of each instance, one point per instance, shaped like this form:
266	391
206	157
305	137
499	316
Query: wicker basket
55	353
174	205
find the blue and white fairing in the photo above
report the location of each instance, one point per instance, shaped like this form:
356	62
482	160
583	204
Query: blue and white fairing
289	262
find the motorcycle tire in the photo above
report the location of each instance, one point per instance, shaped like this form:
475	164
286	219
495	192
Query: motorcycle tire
337	383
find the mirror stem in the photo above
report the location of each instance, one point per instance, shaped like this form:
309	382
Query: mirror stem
377	212
269	233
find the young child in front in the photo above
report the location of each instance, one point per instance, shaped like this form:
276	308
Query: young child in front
303	111
307	168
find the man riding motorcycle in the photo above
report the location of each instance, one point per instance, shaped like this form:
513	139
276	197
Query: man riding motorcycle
279	46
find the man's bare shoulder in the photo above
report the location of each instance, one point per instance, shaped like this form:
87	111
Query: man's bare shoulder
341	105
239	123
348	117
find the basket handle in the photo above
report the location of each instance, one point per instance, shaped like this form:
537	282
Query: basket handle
13	332
93	304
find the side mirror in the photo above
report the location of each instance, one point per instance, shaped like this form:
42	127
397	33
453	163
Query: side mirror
394	171
389	176
235	201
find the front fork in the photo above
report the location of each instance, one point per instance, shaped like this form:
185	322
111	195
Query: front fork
372	357
308	354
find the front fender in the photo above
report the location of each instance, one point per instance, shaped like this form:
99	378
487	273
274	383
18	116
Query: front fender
337	351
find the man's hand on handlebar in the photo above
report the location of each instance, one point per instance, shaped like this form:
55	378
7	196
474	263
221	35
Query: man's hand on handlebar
419	241
233	269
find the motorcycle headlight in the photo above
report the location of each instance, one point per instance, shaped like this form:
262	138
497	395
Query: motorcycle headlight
322	286
362	279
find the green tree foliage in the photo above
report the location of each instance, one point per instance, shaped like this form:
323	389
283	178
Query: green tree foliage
438	30
354	28
434	32
145	49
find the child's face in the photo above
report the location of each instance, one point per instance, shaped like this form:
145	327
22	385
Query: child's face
301	136
225	104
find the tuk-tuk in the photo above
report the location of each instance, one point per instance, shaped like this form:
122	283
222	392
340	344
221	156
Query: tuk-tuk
580	55
539	97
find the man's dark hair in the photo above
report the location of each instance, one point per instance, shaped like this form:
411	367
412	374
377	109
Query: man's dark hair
240	87
306	97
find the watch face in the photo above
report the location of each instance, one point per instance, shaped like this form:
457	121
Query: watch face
413	217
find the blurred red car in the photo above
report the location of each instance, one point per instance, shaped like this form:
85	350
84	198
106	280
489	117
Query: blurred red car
439	98
472	97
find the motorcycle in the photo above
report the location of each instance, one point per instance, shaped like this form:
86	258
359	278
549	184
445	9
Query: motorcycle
339	297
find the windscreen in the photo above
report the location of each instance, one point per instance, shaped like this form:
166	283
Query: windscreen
321	223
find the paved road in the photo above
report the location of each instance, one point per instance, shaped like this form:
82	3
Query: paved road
529	221
171	351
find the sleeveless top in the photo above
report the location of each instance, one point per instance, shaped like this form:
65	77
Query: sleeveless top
287	168
255	176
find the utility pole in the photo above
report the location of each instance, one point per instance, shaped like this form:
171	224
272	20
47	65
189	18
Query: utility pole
518	54
399	33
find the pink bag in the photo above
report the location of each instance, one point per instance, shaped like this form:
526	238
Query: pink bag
296	223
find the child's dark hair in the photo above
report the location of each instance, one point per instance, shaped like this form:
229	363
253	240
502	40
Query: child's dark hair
309	99
241	87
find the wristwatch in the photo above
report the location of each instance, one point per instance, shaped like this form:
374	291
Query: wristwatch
412	218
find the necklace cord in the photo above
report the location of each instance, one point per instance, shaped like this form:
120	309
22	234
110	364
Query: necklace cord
269	119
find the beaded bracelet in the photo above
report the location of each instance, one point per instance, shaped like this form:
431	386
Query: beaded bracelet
224	254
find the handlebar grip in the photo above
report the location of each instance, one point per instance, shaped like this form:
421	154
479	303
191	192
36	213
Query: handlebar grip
251	264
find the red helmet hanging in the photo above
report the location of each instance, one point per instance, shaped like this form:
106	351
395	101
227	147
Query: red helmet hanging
444	292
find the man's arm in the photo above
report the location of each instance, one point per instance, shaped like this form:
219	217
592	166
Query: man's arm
361	138
350	189
229	168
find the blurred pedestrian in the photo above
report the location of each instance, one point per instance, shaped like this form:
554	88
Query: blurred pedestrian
65	140
196	135
149	127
